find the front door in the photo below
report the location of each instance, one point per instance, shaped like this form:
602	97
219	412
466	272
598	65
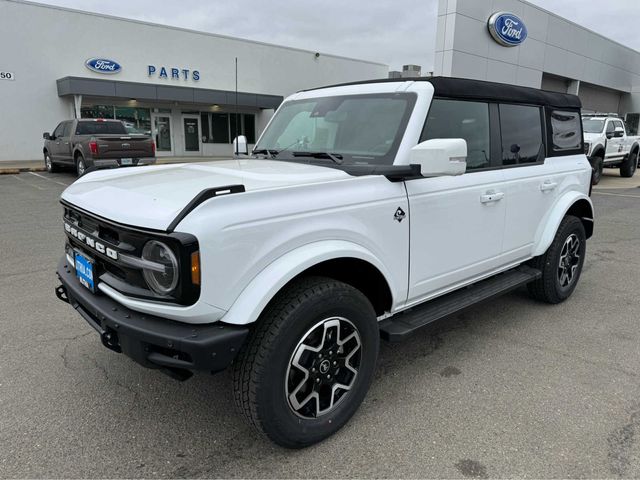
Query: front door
162	134
191	134
457	225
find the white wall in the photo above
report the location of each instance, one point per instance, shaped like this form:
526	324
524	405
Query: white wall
41	44
464	48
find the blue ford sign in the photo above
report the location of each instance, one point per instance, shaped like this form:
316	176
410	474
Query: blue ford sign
507	29
103	65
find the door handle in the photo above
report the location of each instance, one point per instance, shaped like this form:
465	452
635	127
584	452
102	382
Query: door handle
548	185
491	196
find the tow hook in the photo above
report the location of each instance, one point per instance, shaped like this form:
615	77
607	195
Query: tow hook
61	293
111	341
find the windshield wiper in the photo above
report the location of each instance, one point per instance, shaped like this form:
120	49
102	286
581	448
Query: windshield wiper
336	157
266	151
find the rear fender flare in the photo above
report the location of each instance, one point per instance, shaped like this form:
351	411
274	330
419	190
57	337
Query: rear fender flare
550	226
264	286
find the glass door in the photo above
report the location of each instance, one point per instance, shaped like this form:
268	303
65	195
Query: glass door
191	134
162	134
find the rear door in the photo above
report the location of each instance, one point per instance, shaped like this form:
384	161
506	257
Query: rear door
534	176
65	143
457	223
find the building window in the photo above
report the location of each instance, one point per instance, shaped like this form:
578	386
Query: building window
461	119
136	120
97	111
221	127
521	128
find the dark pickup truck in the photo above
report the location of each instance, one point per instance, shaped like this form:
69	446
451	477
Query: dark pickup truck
97	143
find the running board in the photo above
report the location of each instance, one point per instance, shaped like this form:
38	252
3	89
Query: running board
402	325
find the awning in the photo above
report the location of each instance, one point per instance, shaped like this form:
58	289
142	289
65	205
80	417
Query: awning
162	93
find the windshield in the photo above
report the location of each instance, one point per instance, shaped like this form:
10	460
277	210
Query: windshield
592	125
360	129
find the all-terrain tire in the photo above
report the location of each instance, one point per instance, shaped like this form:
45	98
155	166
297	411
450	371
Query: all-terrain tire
629	165
552	286
265	368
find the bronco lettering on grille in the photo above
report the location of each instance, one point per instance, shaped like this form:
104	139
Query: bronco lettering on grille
91	242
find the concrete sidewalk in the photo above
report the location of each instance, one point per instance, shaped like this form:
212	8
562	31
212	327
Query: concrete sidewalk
8	168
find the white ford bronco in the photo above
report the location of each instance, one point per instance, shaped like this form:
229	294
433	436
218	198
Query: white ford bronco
607	145
365	211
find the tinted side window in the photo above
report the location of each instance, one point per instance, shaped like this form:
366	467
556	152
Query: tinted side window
521	128
460	119
67	129
618	124
58	131
565	130
610	127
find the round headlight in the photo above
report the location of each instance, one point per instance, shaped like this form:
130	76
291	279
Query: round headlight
161	282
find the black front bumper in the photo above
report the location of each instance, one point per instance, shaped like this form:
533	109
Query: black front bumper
154	342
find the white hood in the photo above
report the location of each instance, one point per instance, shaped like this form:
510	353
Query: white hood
153	196
592	137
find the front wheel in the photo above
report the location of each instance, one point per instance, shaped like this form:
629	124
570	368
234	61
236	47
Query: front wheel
561	264
309	363
628	167
49	165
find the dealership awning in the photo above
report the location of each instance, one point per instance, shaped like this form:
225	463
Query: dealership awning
162	93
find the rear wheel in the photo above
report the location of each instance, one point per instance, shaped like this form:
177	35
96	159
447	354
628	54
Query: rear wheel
81	166
561	264
49	165
629	165
309	362
597	163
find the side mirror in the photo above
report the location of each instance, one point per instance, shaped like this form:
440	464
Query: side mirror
440	157
240	146
46	136
618	132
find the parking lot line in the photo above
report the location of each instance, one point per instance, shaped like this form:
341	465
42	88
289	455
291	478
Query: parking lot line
48	179
27	183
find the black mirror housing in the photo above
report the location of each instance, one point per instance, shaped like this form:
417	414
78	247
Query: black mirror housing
46	136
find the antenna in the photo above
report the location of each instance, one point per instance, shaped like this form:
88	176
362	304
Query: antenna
237	133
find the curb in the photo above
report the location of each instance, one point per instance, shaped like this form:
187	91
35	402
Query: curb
15	171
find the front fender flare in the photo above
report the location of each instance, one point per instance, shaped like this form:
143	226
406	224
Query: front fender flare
264	286
549	227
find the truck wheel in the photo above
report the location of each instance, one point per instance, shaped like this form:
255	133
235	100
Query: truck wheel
49	165
309	362
628	167
597	163
81	167
561	264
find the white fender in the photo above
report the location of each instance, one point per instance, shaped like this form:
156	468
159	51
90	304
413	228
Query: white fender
549	226
264	286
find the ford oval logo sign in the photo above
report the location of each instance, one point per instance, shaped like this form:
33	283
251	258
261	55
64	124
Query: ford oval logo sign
507	29
103	65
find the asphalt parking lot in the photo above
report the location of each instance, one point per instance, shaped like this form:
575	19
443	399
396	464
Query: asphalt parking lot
511	388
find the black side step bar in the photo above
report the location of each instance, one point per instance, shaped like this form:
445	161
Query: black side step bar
403	324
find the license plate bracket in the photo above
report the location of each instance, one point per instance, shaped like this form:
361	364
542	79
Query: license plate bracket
126	161
85	270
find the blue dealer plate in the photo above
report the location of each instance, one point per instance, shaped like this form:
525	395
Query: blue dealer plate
84	271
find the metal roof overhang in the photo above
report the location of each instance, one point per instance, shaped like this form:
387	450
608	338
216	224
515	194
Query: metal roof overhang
162	93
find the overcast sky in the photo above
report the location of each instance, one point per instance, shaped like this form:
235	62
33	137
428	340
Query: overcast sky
391	32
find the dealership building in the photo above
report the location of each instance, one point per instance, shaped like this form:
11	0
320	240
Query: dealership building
179	85
540	50
175	84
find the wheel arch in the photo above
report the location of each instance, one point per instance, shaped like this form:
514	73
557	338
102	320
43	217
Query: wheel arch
339	260
598	151
573	203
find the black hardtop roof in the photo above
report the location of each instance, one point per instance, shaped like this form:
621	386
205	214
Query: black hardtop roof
469	89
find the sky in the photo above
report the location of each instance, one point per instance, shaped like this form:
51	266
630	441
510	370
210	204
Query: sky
395	32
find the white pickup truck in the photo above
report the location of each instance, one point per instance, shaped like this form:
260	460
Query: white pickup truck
365	211
607	145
